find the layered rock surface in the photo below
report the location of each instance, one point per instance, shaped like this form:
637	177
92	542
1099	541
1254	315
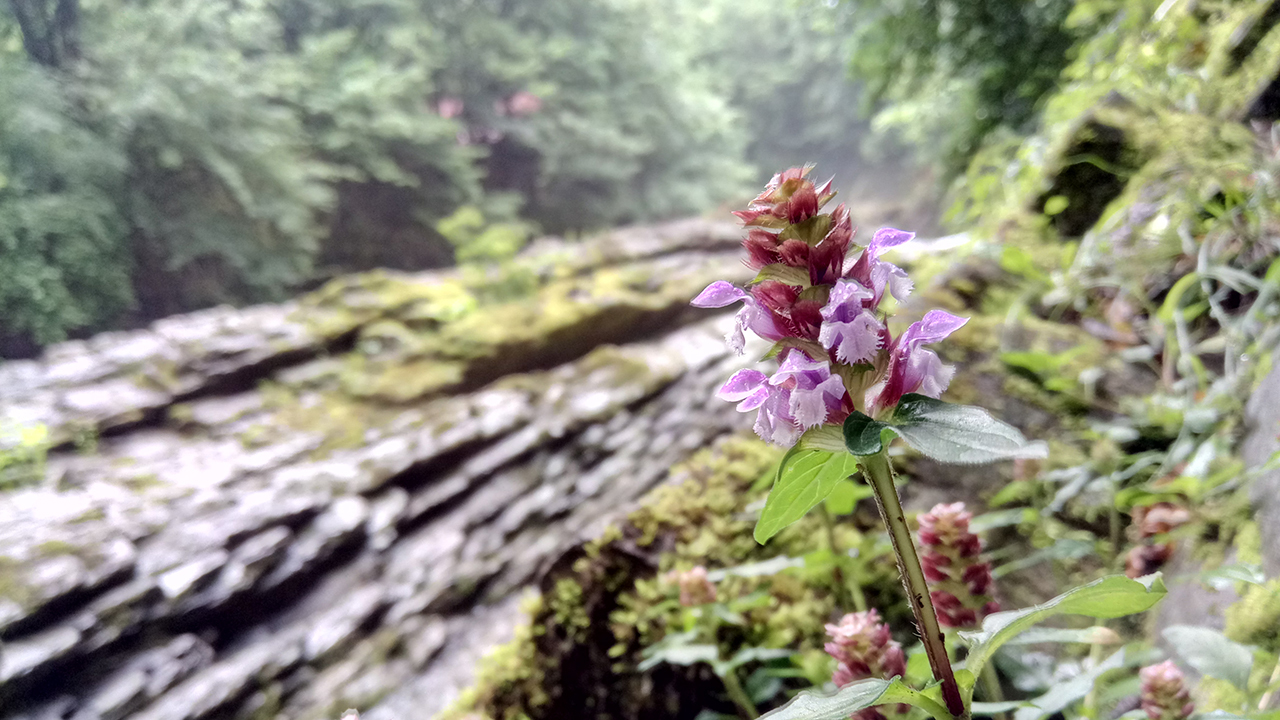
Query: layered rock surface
289	510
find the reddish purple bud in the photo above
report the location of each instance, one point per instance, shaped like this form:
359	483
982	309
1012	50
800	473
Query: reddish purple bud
960	583
803	204
794	253
762	249
1164	692
863	648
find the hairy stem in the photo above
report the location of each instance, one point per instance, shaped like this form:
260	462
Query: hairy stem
879	474
739	695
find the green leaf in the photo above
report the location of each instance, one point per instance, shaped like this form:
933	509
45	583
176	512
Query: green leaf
1064	693
945	432
782	273
1096	635
845	497
811	705
1211	653
1110	597
1056	204
805	478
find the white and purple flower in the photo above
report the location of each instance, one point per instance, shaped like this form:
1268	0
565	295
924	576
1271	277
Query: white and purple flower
838	355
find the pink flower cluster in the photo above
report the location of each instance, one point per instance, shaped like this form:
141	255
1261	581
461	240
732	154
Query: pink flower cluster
818	297
1164	692
960	582
863	649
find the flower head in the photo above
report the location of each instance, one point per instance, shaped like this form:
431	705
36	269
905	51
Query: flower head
1164	692
960	581
818	299
863	649
695	588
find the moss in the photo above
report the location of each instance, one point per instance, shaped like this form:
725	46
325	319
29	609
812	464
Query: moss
51	548
607	603
1255	618
13	586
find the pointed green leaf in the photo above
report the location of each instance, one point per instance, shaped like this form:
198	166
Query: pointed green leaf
945	432
1110	597
851	698
1211	653
805	478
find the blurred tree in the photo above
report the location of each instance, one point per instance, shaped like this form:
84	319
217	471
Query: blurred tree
945	73
64	258
230	150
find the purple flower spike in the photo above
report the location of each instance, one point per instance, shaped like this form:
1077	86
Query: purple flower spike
815	392
913	369
848	327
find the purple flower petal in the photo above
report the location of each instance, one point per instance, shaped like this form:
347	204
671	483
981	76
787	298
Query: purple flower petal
810	407
934	326
800	367
846	300
856	341
927	373
886	238
719	294
743	383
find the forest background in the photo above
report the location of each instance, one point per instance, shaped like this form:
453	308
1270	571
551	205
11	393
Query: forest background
159	157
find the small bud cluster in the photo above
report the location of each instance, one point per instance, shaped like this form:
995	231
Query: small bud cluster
960	582
1150	523
819	302
695	588
863	649
1164	692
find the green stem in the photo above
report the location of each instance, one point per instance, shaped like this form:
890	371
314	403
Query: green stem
847	588
879	474
991	686
739	695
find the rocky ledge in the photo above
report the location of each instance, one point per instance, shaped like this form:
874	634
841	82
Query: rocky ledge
289	510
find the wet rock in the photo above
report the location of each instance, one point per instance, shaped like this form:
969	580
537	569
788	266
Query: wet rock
243	535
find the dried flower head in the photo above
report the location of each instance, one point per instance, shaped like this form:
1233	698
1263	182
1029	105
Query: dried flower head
1150	524
818	298
695	588
1160	518
863	648
1164	692
960	581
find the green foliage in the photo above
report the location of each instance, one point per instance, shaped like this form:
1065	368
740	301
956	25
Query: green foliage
947	73
854	697
64	254
805	478
943	431
476	239
1109	597
22	455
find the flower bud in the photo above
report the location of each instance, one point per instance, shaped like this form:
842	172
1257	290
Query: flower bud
695	588
1164	692
960	581
1146	559
1150	522
863	648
